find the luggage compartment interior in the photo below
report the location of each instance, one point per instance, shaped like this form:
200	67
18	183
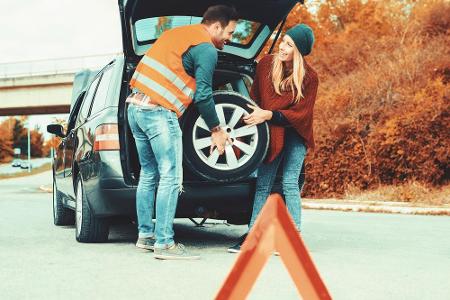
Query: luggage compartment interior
224	80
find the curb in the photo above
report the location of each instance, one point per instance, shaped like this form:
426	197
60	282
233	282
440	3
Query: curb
46	189
357	206
377	207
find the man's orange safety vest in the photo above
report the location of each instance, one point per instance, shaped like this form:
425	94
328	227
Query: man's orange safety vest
160	73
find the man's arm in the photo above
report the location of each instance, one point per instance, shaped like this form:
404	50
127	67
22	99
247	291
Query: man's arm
203	57
204	60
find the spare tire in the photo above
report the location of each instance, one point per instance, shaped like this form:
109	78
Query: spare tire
240	159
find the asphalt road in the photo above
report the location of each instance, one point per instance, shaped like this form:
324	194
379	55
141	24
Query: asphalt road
359	256
35	163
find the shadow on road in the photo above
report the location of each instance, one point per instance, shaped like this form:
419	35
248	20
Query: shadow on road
213	234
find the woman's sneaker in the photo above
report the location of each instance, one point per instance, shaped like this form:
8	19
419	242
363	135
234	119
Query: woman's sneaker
237	248
146	243
176	252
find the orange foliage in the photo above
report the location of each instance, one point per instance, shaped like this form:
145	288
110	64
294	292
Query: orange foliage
6	141
53	142
36	143
13	134
382	114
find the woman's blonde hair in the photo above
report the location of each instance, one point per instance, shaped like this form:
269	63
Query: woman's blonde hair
293	81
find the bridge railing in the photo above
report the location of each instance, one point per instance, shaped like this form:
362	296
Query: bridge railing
54	66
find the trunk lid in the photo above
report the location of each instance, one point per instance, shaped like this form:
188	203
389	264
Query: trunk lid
144	21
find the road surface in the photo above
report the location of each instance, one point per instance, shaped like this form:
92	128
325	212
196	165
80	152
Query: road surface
359	256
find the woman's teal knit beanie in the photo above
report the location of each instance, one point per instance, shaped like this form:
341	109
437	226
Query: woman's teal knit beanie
303	37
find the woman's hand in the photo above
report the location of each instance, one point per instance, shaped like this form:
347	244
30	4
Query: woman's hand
258	115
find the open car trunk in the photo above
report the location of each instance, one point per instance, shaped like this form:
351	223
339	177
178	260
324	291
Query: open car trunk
144	21
225	79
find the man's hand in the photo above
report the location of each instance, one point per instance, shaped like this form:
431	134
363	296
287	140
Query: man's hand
219	138
258	116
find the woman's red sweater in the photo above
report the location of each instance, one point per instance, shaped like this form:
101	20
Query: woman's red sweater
300	115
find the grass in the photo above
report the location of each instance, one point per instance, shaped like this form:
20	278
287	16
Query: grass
412	192
43	168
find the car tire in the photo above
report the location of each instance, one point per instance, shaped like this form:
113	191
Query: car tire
88	228
249	147
61	215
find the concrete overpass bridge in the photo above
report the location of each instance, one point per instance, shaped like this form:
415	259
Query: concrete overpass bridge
42	86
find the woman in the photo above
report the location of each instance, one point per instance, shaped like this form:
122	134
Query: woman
285	87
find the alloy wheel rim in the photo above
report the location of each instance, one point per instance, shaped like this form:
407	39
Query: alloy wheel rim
244	137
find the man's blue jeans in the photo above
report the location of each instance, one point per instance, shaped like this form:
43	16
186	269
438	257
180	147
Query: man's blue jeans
292	158
159	145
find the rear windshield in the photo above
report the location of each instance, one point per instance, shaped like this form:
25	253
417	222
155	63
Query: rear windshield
148	30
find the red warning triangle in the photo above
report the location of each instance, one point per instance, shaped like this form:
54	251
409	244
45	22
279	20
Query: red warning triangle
273	230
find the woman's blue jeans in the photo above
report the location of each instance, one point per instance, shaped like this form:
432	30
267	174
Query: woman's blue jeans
291	159
158	140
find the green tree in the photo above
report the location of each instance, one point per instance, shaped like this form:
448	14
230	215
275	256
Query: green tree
19	134
36	142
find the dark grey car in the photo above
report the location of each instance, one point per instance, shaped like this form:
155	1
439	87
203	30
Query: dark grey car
96	168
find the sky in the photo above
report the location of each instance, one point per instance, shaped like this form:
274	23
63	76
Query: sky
40	29
48	29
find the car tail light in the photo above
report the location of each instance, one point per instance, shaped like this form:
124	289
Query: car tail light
106	137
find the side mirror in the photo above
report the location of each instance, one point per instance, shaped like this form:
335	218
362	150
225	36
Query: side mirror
56	129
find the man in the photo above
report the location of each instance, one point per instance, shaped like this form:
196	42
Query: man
181	62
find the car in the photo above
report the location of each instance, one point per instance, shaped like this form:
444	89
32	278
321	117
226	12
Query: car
96	167
26	165
80	82
16	162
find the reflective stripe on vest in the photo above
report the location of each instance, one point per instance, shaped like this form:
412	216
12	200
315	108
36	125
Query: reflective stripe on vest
161	75
166	72
162	91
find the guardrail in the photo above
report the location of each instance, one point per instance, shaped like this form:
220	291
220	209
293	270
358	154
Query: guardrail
54	66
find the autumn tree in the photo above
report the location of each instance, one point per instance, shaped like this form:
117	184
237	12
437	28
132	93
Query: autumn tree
36	143
19	134
382	113
52	143
6	143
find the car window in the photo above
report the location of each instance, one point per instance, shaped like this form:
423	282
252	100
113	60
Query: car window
73	113
149	29
84	111
102	91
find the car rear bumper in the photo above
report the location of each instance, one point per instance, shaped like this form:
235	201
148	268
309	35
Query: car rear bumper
112	197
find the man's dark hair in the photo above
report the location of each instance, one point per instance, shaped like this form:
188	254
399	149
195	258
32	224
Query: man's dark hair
220	13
